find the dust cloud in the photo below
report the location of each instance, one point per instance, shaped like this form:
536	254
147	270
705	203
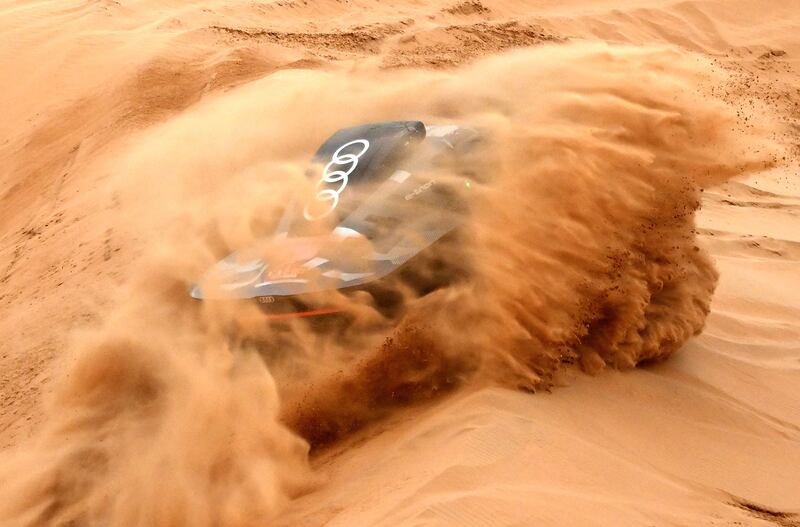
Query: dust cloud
581	248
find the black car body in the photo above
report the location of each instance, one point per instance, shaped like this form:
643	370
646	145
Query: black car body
386	195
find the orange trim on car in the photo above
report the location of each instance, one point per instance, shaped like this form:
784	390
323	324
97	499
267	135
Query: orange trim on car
300	314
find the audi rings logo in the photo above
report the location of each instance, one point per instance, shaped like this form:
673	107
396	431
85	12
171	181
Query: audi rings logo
327	198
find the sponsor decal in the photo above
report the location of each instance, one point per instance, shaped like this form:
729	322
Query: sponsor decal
278	272
419	190
327	198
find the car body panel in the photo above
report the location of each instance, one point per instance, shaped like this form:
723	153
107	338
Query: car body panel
384	193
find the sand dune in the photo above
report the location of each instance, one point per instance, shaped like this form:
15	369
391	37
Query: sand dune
126	126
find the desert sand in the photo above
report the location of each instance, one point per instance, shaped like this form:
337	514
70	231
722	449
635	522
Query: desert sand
606	386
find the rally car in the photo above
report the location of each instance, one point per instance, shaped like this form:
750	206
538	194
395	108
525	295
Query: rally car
382	223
